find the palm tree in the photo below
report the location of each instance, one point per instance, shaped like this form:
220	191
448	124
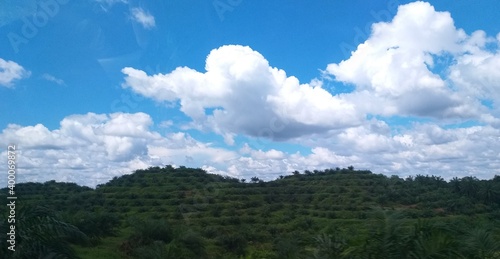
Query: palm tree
489	193
388	239
481	244
455	184
430	240
329	247
41	234
469	186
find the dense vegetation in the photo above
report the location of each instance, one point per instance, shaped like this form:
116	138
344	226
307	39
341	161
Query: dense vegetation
187	213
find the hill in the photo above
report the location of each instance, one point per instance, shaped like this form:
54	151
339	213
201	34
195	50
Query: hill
336	213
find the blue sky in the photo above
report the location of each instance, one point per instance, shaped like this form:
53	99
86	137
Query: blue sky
97	88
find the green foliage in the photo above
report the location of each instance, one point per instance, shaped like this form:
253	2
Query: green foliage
149	230
145	233
232	242
289	247
155	250
333	213
480	243
193	244
40	233
98	224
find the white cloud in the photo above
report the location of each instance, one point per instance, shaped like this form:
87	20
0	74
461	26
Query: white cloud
396	71
394	66
10	71
477	71
143	17
52	78
246	96
419	149
259	154
92	148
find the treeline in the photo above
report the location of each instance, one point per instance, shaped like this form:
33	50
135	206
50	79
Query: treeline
335	213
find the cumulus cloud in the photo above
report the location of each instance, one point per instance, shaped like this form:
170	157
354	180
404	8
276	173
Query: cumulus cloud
476	72
10	71
398	71
240	93
423	148
395	66
143	17
92	148
259	154
417	65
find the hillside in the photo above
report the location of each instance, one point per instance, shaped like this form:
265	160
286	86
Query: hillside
336	213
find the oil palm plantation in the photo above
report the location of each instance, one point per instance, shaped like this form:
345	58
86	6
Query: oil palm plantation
40	234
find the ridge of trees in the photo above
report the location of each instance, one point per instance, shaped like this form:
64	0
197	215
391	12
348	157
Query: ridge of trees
334	213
